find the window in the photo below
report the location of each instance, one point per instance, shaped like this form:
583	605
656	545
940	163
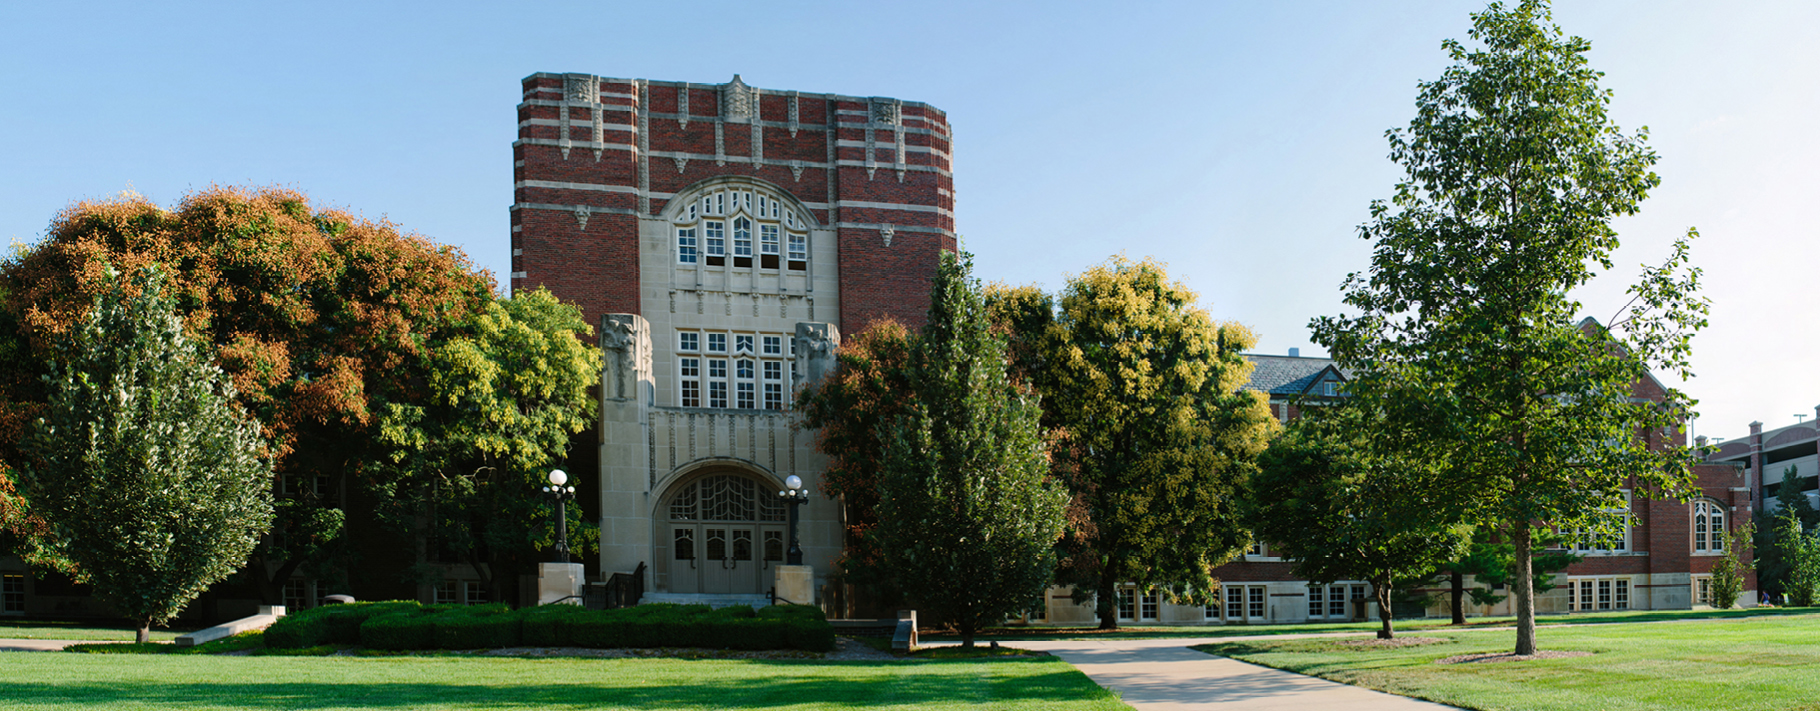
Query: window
745	396
1127	603
1709	528
714	235
1333	601
445	593
1613	535
717	343
1587	594
1330	389
1148	604
690	372
799	251
1703	590
12	593
1254	602
767	246
688	341
742	242
685	245
717	382
773	345
742	343
474	593
296	595
774	385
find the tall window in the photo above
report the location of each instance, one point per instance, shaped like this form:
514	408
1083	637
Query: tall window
753	378
12	593
1598	594
1611	537
1709	527
781	230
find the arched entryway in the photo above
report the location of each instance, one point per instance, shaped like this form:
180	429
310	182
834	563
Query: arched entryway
720	533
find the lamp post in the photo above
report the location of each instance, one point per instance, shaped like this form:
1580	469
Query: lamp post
795	496
558	492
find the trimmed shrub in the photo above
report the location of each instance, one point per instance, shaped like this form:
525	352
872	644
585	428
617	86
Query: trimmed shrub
482	627
409	625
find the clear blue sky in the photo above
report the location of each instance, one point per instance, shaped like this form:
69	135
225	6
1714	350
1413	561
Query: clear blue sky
1240	142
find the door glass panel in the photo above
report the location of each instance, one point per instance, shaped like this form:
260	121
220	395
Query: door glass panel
742	545
774	545
717	544
684	545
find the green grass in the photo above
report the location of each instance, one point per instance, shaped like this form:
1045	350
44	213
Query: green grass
1759	663
1421	624
40	680
40	629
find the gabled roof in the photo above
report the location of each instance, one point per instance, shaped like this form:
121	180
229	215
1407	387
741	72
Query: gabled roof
1287	375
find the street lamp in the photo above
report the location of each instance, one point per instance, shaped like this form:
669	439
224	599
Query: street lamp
795	496
559	493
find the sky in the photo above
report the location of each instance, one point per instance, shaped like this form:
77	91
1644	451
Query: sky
1241	143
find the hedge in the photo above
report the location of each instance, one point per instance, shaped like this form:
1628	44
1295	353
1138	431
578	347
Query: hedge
409	625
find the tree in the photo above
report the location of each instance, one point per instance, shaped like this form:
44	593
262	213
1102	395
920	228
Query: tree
1490	561
316	315
869	388
463	469
967	517
151	481
1772	567
1801	551
1466	335
1728	571
1342	511
1160	439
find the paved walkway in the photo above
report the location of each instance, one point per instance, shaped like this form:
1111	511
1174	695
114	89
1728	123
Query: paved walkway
45	645
1165	675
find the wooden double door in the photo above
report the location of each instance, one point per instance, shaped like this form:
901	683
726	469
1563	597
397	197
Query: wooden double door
724	557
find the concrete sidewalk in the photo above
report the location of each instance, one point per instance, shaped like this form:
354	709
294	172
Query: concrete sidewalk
1164	674
49	645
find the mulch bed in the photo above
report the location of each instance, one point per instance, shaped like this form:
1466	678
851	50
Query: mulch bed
1392	643
1493	657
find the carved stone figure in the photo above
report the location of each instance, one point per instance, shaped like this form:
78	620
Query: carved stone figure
815	346
736	101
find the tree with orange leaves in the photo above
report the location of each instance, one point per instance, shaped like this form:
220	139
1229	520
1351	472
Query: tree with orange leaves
316	315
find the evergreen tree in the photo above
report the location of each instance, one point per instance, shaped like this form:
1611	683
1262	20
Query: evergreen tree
149	479
1800	550
1728	571
967	517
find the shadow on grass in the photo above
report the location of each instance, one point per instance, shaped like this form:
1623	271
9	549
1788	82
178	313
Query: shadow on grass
846	685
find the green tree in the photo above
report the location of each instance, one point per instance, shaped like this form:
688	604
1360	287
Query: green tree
1801	551
1490	561
1728	571
151	481
1772	567
1342	511
464	469
868	389
1465	334
1160	439
316	315
967	517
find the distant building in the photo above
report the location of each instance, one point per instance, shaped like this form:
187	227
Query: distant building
1767	457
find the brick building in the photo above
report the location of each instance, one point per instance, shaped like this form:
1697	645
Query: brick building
1663	560
723	236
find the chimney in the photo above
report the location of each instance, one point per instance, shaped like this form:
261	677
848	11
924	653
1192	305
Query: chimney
1297	353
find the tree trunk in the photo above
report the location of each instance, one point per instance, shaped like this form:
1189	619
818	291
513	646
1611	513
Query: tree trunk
1523	583
1108	599
145	632
1382	590
1459	593
967	632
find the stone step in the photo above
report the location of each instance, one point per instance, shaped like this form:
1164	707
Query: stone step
710	599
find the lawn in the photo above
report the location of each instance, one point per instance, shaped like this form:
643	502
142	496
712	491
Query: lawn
1751	663
50	680
1423	625
39	629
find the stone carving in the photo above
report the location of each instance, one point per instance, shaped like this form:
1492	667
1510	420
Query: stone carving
796	170
581	216
624	359
795	97
681	164
887	232
581	87
815	346
737	101
886	111
682	106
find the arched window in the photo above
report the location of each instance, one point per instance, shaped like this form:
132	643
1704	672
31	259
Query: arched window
745	210
725	497
1709	527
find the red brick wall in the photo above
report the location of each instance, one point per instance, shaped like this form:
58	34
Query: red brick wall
597	266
